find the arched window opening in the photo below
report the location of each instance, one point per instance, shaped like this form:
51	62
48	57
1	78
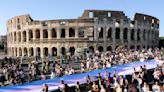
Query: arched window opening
31	50
117	33
37	33
45	51
138	35
125	33
20	52
100	49
138	47
45	33
15	36
30	35
71	32
148	47
38	51
72	50
53	33
109	48
132	47
132	34
54	51
109	33
62	33
25	51
24	36
19	35
101	33
91	49
16	52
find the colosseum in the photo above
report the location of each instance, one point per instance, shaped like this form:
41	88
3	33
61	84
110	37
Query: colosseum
100	30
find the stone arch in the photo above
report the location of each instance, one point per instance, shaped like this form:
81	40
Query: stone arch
138	47
101	32
37	33
16	53
71	32
117	34
100	49
30	34
54	51
45	33
109	48
132	47
19	36
63	50
15	36
91	49
25	51
20	51
12	51
125	34
24	36
45	51
138	35
31	51
62	35
53	33
72	50
132	34
109	33
148	47
38	51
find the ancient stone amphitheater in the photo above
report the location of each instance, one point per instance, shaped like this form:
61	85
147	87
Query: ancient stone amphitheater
101	30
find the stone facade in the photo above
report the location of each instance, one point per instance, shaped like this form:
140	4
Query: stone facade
3	41
96	29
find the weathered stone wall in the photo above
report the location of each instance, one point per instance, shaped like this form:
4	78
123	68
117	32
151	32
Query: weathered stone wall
101	30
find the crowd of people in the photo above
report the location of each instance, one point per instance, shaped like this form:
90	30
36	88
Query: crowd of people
12	73
121	56
138	81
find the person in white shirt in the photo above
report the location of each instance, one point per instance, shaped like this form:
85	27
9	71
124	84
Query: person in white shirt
52	75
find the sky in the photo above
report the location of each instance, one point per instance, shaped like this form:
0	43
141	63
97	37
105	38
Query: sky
66	9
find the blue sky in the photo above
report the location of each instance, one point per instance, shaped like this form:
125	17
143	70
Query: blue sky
63	9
